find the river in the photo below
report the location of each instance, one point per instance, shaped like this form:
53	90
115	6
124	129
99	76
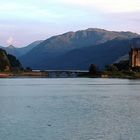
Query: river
69	109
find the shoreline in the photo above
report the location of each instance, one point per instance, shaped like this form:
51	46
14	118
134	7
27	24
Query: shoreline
108	75
23	75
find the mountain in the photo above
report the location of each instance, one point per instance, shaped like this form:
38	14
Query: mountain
72	49
18	52
123	58
101	55
29	47
12	50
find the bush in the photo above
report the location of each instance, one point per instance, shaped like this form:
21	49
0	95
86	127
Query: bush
93	69
111	68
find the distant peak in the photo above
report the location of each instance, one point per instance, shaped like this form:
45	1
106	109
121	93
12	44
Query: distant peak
10	46
95	29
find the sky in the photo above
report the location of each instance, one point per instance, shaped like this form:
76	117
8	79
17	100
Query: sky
25	21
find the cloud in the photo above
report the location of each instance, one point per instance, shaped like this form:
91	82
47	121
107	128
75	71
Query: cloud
30	11
10	40
46	10
106	5
118	5
36	19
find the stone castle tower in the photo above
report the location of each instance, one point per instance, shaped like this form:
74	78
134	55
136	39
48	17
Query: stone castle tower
134	57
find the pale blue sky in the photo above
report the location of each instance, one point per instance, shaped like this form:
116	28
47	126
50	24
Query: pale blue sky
25	21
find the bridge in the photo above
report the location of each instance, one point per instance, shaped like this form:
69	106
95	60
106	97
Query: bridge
63	73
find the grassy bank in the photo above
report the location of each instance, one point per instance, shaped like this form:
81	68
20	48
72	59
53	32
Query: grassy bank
114	74
23	74
104	74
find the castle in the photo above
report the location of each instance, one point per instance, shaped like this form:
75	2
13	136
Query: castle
134	57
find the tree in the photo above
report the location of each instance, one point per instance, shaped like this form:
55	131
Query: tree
93	69
111	68
123	65
14	62
4	62
28	69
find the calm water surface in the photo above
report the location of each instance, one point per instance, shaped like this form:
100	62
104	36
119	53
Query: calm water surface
69	109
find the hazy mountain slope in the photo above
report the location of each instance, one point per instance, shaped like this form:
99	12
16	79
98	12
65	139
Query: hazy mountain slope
42	55
18	52
122	58
29	47
12	50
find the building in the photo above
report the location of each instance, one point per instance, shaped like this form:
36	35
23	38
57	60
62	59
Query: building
134	57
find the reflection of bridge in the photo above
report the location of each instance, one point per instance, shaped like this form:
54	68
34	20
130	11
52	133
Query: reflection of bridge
64	73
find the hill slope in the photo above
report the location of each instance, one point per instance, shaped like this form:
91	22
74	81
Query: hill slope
8	62
18	52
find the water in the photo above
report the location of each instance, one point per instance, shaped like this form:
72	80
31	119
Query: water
69	109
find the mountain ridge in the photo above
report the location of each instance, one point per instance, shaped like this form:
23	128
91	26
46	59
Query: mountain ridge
54	51
50	49
18	52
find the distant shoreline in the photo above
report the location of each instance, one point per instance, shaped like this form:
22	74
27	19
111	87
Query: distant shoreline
43	74
23	75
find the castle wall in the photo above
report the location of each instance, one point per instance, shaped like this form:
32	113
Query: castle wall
135	58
